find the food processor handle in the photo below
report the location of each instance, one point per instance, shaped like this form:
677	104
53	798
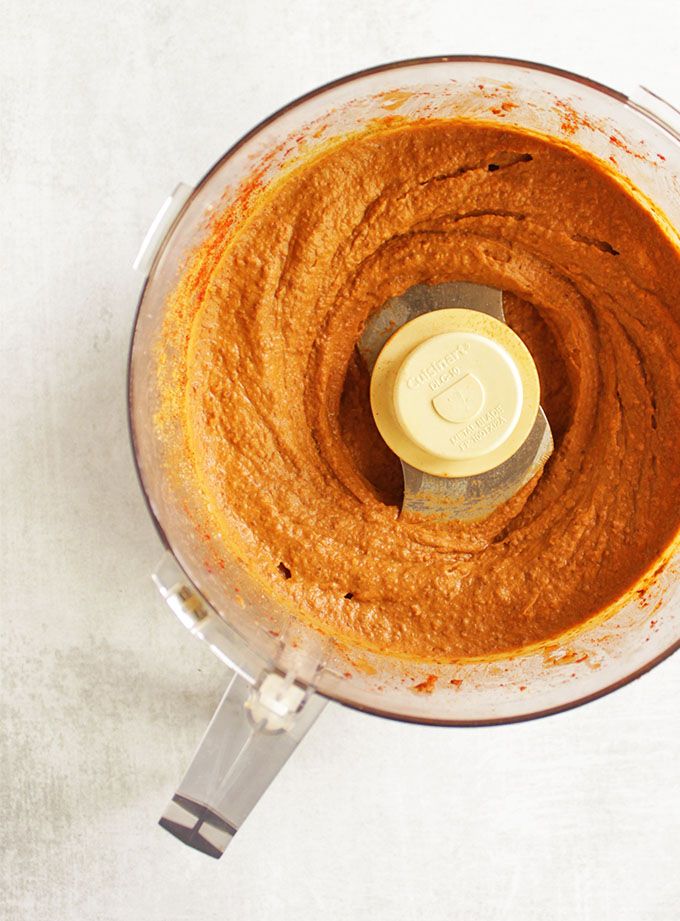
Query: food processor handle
250	737
263	715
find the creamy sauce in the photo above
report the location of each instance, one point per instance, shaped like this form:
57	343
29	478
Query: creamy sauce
275	398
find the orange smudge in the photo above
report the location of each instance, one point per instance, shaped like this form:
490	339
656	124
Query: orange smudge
394	99
427	686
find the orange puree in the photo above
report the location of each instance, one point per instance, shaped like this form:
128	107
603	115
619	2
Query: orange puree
275	398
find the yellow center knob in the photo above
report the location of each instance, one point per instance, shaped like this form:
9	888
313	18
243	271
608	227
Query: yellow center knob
455	392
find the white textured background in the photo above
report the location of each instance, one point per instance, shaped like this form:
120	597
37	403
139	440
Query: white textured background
103	107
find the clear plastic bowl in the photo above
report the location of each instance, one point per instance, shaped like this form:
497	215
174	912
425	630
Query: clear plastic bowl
247	629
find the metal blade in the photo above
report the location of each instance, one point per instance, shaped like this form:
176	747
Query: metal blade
470	498
474	498
422	299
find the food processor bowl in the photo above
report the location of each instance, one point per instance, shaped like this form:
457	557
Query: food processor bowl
283	671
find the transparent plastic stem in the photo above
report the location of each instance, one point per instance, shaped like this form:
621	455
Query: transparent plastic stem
264	714
249	739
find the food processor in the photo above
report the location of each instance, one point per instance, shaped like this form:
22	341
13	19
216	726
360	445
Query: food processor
280	672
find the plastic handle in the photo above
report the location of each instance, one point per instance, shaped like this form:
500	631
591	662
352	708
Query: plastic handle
249	739
654	106
264	714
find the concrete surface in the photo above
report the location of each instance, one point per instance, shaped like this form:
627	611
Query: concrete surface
103	107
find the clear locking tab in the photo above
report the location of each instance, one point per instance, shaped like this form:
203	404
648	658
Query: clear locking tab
159	228
654	106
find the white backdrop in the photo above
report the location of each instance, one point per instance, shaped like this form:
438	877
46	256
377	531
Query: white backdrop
103	108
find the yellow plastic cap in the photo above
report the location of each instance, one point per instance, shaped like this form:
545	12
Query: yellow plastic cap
455	392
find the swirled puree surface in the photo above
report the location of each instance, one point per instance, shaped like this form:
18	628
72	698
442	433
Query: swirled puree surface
275	397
